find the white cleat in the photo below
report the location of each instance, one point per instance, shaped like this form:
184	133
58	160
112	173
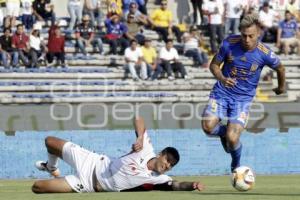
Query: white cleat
42	166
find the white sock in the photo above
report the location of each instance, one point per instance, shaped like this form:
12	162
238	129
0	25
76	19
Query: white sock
52	162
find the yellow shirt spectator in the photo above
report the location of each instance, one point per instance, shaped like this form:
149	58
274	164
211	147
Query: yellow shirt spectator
149	54
114	6
161	17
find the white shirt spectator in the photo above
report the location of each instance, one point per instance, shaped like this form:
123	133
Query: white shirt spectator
212	6
35	42
253	4
27	7
234	9
133	56
13	8
191	42
268	18
75	2
168	55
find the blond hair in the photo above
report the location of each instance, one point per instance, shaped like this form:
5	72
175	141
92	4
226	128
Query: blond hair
249	20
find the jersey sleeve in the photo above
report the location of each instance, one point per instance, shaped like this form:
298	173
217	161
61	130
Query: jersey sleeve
272	60
167	186
147	142
155	180
221	55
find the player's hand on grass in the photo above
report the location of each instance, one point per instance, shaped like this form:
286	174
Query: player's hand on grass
138	145
198	186
228	82
278	90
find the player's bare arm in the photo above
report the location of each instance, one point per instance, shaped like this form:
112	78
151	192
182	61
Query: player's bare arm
140	128
216	71
169	186
281	80
187	186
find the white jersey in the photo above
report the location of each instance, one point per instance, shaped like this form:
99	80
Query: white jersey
130	170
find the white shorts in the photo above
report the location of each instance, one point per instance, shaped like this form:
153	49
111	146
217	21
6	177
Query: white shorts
84	163
13	9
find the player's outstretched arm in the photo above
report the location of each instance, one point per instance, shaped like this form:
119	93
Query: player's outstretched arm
169	186
139	125
187	186
281	80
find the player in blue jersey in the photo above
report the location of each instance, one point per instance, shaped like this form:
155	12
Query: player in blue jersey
243	58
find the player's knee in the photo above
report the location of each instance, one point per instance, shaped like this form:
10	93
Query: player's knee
37	187
49	141
207	128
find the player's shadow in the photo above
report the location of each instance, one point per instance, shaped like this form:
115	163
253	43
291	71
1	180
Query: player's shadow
248	194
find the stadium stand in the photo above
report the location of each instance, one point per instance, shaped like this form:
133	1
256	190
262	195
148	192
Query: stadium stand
100	78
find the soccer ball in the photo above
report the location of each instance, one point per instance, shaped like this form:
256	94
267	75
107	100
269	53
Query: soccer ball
243	178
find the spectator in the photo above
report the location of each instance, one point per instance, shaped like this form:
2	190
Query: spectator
134	30
93	9
116	31
56	47
43	10
161	19
12	12
169	60
287	34
2	8
114	7
150	57
37	48
197	6
27	14
75	9
85	36
138	16
233	12
192	42
214	10
293	7
268	17
141	5
6	49
20	44
252	5
134	60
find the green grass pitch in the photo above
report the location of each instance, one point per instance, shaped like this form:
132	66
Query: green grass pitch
217	188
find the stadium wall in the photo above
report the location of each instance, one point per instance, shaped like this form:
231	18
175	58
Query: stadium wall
166	115
268	153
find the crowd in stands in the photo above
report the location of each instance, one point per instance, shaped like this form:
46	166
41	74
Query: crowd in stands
122	25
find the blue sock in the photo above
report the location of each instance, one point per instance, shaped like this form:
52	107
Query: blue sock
219	130
236	156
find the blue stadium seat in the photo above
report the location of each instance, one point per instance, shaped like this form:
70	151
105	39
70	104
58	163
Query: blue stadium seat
75	95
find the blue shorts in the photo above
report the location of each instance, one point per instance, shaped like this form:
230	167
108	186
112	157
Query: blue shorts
237	112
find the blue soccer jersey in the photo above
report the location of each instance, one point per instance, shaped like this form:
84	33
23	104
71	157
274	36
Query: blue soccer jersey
243	66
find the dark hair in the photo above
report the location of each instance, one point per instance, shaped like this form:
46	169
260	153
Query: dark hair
266	4
287	12
132	41
20	25
5	29
173	156
193	28
169	40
